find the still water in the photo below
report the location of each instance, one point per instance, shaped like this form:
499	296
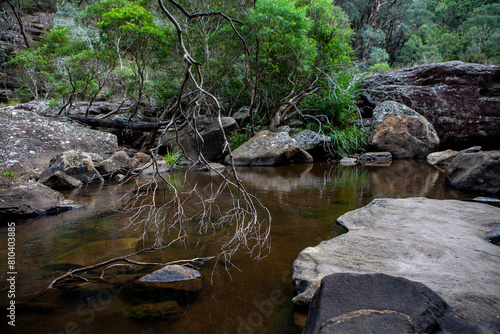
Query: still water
255	297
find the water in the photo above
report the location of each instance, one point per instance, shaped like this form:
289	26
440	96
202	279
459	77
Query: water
255	297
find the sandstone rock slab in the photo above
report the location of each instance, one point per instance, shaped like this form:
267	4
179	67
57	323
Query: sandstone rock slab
27	136
440	243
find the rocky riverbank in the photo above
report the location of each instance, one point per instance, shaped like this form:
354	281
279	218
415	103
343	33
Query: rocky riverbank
442	244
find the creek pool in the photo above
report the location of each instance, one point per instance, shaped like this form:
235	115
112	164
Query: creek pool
255	297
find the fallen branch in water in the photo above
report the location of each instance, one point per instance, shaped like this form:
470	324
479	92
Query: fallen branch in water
126	258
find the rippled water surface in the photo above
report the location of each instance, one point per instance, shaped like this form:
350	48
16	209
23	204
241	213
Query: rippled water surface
255	297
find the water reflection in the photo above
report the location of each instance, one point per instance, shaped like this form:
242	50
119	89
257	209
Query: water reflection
304	201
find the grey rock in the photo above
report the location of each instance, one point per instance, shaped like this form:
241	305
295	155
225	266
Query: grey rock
348	161
30	199
401	131
378	303
122	162
476	172
174	277
75	164
441	244
60	181
442	158
269	149
317	145
33	139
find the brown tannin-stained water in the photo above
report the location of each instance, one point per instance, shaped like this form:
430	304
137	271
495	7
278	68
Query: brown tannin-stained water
304	201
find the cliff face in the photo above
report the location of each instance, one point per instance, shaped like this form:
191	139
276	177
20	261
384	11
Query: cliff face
461	100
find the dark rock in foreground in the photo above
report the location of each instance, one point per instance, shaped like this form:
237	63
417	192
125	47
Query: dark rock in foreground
442	244
378	303
476	171
461	100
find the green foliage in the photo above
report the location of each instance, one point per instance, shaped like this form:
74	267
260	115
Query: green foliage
11	175
237	138
173	156
337	101
380	68
348	140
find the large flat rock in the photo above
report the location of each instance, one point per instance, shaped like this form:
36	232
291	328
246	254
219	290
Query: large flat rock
29	137
442	244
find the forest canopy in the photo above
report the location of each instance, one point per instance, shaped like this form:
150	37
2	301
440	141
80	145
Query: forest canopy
281	58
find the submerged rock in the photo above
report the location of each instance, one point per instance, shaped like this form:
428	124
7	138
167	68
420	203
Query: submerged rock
378	303
442	244
477	172
269	149
169	310
96	252
401	131
173	277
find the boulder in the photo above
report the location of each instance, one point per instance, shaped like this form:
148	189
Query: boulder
443	158
75	164
317	145
211	144
29	199
122	162
173	277
29	137
60	181
440	243
476	172
461	100
269	149
242	116
401	131
378	303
